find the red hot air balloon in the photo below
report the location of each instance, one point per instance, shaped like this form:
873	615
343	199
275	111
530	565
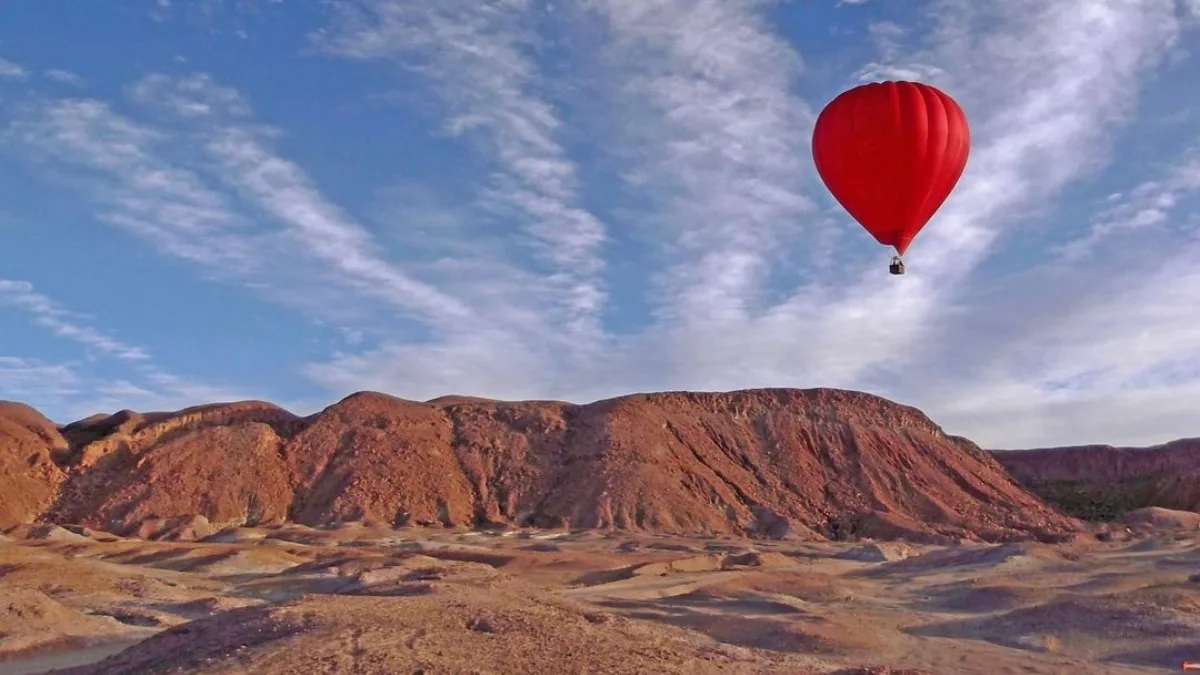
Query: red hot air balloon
891	152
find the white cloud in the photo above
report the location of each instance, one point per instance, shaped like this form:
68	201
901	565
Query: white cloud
284	191
178	209
138	190
65	77
213	192
476	55
10	70
30	380
210	14
1149	205
65	324
713	133
764	281
1190	9
887	37
912	72
1098	346
1059	77
195	95
68	388
1058	105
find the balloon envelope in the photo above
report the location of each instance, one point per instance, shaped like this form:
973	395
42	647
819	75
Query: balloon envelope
891	152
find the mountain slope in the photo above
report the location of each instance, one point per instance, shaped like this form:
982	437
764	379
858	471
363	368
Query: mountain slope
29	477
1102	481
812	463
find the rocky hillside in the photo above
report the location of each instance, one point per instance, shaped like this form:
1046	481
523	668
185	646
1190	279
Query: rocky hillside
1101	482
808	463
29	476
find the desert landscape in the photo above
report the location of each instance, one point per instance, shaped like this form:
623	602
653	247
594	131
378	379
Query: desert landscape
763	531
609	337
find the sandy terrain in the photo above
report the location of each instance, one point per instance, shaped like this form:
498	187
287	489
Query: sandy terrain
359	599
310	576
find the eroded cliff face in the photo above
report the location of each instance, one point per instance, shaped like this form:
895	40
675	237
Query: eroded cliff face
221	461
29	477
1102	482
774	462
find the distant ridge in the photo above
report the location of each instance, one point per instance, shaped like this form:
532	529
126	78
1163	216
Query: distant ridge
814	463
1102	482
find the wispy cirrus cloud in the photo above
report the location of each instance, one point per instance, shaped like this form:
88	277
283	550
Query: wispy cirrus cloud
1045	119
757	277
116	160
718	142
48	314
155	389
70	387
25	379
203	184
162	186
714	137
1149	205
1060	80
246	165
1097	344
195	96
208	14
65	77
476	55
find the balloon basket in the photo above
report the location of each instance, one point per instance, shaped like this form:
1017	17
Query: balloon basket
896	267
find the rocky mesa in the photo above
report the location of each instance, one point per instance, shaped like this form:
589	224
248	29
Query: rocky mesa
815	463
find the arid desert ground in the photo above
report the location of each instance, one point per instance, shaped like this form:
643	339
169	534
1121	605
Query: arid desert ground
359	599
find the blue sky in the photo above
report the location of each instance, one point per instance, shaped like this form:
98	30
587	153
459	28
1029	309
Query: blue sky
292	201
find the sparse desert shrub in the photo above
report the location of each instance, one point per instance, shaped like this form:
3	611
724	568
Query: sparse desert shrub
1096	503
1052	644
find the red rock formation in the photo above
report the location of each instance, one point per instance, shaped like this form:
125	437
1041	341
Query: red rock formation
220	461
809	463
1103	481
29	477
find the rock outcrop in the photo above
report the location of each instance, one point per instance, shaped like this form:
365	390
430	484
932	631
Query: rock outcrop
29	476
776	463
